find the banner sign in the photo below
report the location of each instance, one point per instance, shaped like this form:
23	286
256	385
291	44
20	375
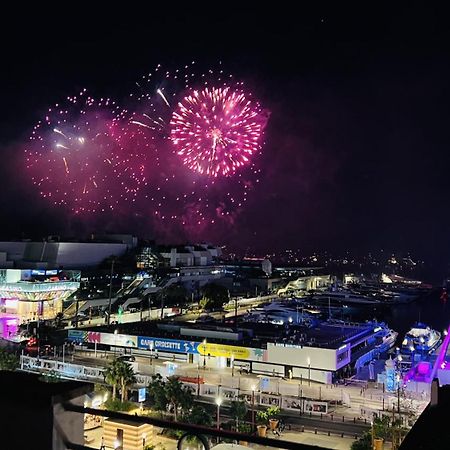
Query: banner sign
77	336
92	337
167	345
226	351
121	340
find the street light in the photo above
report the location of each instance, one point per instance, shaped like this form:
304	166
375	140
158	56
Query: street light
398	394
372	433
150	346
218	403
309	371
204	353
110	290
116	331
253	406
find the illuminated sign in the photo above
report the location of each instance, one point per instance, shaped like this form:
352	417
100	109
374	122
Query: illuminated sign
141	394
168	345
77	336
38	272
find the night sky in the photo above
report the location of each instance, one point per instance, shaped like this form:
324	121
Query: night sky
357	146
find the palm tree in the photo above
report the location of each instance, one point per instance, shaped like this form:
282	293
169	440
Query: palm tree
119	373
178	395
126	378
111	377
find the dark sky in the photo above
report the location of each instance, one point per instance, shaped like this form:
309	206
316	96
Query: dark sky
357	151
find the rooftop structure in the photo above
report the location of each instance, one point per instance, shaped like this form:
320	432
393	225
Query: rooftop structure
57	253
295	351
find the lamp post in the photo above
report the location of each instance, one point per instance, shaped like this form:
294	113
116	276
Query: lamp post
371	433
253	407
150	347
110	290
198	378
204	354
218	403
116	331
309	371
398	394
232	365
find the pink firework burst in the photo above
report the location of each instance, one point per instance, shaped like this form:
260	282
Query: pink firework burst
217	130
74	160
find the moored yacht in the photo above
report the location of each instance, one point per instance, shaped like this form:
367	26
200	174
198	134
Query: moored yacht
421	338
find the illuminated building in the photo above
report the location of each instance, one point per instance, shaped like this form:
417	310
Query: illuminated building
33	294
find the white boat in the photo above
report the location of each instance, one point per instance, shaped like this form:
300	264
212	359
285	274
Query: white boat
421	338
343	297
390	338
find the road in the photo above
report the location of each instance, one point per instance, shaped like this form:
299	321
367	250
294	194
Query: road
369	399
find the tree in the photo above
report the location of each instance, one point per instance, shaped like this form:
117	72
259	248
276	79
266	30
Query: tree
119	374
178	395
238	410
126	379
8	361
199	416
170	393
213	296
363	443
157	393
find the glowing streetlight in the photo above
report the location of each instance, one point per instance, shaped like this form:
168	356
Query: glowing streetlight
309	371
204	353
218	403
253	406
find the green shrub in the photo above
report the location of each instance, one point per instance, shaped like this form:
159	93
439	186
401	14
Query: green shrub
114	404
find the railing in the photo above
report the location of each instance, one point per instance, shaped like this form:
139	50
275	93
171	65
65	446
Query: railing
205	435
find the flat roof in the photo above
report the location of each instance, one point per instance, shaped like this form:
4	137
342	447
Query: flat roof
330	335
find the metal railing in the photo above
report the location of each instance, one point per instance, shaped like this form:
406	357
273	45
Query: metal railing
207	436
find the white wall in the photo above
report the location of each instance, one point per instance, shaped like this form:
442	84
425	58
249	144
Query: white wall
315	357
268	369
321	376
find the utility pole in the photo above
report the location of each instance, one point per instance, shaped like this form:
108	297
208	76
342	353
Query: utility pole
110	290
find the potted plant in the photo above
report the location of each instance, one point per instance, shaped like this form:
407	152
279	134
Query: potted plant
261	420
272	414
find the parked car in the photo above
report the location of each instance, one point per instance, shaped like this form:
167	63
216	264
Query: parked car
129	358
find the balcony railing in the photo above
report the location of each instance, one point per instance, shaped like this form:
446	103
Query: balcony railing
207	437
